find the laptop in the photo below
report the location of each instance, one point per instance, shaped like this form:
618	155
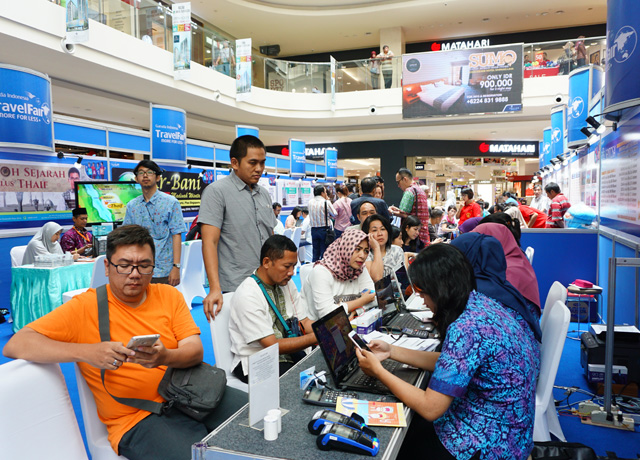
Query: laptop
394	309
332	332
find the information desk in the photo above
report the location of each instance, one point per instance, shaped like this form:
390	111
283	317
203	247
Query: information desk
234	440
37	291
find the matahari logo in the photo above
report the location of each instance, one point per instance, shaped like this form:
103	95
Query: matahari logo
484	147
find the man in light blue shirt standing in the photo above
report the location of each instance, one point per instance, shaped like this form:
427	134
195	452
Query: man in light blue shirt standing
161	214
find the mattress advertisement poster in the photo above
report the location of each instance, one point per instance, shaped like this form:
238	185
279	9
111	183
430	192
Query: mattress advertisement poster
457	82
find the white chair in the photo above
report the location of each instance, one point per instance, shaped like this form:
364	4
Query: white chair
17	254
529	253
553	338
295	236
37	418
305	271
95	430
288	232
222	343
98	278
556	292
192	272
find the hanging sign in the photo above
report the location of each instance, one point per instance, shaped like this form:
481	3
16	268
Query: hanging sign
77	24
168	134
578	109
181	14
546	146
558	120
25	109
242	130
243	69
333	83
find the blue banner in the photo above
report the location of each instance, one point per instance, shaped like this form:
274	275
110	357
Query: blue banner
331	163
541	155
25	109
577	111
558	127
242	130
622	64
546	146
168	134
297	157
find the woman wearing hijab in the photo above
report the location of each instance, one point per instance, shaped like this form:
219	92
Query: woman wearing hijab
519	271
480	402
44	242
340	273
490	269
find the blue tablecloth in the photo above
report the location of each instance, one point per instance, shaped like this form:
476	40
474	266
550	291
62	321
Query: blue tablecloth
37	291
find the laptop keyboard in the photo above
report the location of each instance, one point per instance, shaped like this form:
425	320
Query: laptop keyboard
373	382
406	320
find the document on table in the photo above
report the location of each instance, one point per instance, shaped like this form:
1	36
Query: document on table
413	343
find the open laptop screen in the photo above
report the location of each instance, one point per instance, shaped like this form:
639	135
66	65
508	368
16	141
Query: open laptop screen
332	332
385	295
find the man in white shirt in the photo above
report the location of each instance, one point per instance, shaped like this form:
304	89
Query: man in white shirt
540	201
305	251
279	228
320	212
254	323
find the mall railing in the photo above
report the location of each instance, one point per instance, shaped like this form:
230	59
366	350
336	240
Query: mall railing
151	21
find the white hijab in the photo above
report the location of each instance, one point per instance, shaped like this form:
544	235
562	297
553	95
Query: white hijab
41	243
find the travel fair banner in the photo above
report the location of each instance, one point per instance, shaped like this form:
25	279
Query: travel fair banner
242	130
181	14
331	164
77	22
168	134
297	158
243	69
42	188
546	146
25	109
183	184
578	107
622	65
558	128
482	80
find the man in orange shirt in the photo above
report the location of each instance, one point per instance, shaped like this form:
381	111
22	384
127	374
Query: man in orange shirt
70	333
469	208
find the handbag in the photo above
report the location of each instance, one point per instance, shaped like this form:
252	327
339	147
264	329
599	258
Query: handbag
331	233
195	391
291	326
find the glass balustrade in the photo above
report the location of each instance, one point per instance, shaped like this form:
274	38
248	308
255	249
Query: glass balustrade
150	21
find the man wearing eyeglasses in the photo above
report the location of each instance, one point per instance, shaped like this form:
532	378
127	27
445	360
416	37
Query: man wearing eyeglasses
161	214
70	333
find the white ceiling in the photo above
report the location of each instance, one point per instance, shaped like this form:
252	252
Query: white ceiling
314	26
96	91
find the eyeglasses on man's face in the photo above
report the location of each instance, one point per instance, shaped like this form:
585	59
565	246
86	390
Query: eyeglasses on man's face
145	173
127	269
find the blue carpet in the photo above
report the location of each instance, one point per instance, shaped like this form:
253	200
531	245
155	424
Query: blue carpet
570	374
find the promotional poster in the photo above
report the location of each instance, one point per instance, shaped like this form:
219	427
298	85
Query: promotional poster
483	80
77	23
243	69
181	13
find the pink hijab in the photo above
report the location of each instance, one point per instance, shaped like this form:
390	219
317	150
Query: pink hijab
519	271
337	257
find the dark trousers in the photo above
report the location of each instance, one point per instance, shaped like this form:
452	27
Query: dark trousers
162	280
284	367
318	239
421	437
338	233
388	78
170	436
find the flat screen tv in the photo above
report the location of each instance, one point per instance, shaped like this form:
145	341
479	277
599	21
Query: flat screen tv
106	202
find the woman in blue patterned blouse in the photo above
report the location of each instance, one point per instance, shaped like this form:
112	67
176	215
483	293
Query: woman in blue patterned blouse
481	397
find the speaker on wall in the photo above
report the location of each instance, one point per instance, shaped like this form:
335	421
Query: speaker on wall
270	50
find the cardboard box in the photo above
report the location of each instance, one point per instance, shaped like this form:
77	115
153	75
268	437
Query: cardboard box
583	309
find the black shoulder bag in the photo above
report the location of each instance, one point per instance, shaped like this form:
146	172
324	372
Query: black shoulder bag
331	233
196	390
291	326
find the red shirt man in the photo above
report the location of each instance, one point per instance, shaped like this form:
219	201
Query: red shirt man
533	217
470	208
559	206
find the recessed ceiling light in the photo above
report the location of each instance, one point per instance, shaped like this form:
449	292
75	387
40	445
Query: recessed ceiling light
559	12
544	13
485	19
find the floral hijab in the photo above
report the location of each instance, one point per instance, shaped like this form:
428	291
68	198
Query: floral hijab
337	257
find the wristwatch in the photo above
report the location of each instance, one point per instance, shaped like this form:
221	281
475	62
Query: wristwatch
177	265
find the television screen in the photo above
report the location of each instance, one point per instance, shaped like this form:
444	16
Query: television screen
106	202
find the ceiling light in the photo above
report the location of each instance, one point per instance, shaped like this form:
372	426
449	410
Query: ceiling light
485	19
559	12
